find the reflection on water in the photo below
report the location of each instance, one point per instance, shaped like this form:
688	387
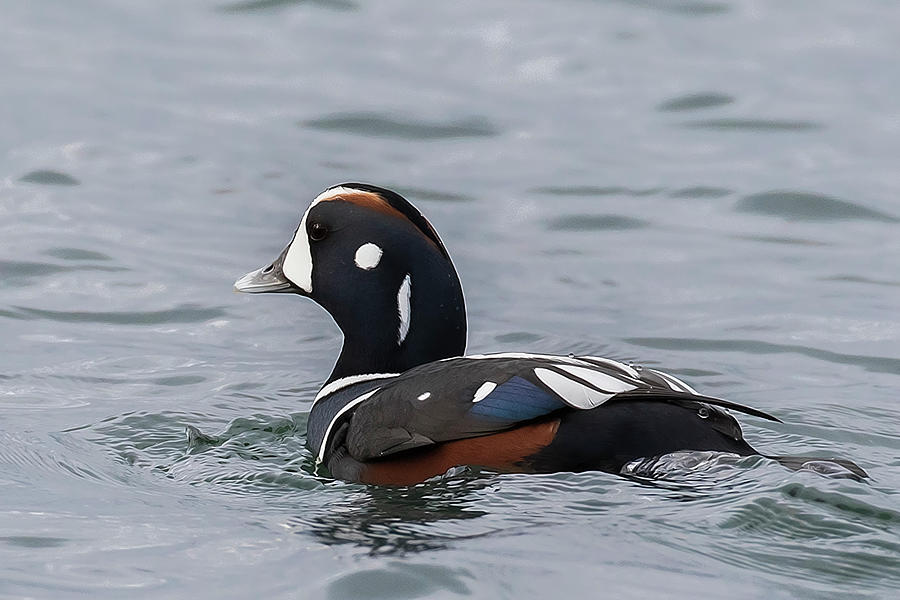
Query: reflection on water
398	521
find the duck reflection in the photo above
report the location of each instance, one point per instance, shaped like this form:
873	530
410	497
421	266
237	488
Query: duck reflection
401	520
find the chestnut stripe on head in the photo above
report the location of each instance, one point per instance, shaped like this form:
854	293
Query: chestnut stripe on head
387	201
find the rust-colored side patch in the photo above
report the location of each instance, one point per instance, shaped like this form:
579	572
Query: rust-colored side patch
500	451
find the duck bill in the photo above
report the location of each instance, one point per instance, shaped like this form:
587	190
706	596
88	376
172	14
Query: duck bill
267	280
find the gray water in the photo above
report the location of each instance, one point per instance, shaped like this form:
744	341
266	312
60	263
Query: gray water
710	187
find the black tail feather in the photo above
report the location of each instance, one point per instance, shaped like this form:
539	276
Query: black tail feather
677	397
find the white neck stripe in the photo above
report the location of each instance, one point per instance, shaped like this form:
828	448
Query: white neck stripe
403	308
339	384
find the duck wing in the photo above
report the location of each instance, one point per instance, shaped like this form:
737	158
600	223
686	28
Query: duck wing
479	395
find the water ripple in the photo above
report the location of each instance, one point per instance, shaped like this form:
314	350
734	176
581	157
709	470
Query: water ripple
701	191
48	177
265	5
429	194
25	269
687	7
596	223
875	364
372	124
400	580
185	313
76	254
759	125
806	206
592	190
695	102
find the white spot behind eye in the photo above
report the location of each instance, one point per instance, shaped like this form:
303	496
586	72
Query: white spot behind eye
403	308
482	392
368	256
425	396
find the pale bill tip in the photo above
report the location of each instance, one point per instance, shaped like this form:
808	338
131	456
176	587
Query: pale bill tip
245	283
262	281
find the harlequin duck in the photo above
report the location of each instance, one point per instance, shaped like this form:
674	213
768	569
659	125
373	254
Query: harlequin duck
403	404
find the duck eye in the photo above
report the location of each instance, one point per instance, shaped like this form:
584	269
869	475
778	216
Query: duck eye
317	232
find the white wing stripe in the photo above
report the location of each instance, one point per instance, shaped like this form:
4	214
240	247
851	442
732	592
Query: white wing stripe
675	383
580	361
612	363
605	382
573	393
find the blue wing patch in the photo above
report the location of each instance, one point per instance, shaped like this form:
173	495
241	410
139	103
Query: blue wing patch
516	400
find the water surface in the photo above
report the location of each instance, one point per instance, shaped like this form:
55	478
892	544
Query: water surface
706	187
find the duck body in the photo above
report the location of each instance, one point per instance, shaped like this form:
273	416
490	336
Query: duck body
512	413
404	404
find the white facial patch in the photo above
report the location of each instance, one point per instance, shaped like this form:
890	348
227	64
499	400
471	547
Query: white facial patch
368	256
403	308
297	265
425	396
482	392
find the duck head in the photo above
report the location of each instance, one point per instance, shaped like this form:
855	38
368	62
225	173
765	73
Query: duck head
370	259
